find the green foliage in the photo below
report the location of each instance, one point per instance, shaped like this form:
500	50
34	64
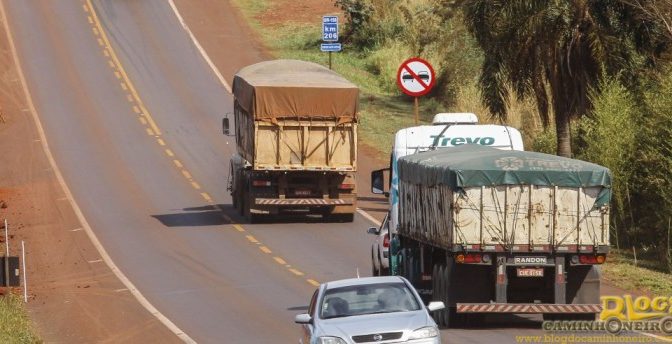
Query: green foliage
14	323
608	138
651	185
555	51
358	14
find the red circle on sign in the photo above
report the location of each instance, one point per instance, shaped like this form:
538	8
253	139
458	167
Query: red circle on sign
405	67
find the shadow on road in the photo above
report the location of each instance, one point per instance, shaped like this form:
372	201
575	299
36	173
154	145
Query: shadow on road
500	321
212	215
380	199
193	217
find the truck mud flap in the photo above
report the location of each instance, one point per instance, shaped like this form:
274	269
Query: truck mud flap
302	201
529	308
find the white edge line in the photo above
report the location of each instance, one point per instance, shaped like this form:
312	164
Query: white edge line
78	212
369	217
199	47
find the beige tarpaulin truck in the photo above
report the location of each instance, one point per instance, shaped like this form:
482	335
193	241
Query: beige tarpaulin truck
296	140
496	231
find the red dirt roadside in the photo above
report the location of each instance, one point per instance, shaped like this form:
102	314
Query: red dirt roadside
73	297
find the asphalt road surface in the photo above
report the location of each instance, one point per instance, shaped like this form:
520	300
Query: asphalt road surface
136	132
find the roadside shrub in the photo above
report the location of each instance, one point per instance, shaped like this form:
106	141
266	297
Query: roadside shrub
608	138
651	185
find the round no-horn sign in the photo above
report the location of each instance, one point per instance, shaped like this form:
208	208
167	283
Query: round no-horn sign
415	77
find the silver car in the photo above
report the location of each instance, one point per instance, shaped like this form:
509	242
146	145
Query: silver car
368	310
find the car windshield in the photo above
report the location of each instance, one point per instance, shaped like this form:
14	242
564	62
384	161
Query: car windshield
367	299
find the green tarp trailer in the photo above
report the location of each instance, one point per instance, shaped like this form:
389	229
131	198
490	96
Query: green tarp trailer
475	196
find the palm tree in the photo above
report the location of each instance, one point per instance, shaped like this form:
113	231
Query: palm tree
556	51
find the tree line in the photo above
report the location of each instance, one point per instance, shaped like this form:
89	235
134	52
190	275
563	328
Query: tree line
597	71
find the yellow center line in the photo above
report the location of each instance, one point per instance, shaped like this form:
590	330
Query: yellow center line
94	20
146	119
206	196
296	272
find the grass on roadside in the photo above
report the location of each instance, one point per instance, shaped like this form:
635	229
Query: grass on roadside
620	271
15	327
382	111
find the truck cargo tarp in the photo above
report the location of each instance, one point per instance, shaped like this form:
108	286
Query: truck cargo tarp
295	89
476	165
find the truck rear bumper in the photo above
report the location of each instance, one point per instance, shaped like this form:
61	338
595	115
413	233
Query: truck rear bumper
302	202
529	308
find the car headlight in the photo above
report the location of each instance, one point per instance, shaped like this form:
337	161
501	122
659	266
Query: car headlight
330	340
424	332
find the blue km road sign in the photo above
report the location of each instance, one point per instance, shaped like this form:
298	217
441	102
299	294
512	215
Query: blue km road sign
329	47
330	28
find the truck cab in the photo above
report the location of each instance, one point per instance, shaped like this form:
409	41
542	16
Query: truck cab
446	130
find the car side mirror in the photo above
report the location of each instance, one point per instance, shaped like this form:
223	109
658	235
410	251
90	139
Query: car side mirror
304	318
372	230
378	182
225	126
435	306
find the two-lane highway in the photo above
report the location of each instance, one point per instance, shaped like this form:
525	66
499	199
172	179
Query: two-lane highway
132	111
132	116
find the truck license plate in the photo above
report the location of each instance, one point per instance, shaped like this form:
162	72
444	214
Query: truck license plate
302	192
530	272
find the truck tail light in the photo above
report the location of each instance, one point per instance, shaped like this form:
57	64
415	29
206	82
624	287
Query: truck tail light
259	182
468	258
591	259
386	240
346	186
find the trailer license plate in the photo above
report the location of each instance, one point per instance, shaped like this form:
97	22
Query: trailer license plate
302	192
530	272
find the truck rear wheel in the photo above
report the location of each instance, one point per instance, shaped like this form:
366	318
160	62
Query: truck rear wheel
436	290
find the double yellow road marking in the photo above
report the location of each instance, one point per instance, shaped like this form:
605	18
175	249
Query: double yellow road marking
152	129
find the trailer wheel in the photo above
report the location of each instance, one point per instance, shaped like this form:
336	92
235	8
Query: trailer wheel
436	292
247	213
443	314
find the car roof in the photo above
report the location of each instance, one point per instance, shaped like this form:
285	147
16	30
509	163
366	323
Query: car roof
362	281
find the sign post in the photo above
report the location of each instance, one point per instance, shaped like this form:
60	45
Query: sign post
416	78
330	36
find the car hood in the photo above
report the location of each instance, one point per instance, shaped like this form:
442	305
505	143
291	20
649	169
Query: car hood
374	323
